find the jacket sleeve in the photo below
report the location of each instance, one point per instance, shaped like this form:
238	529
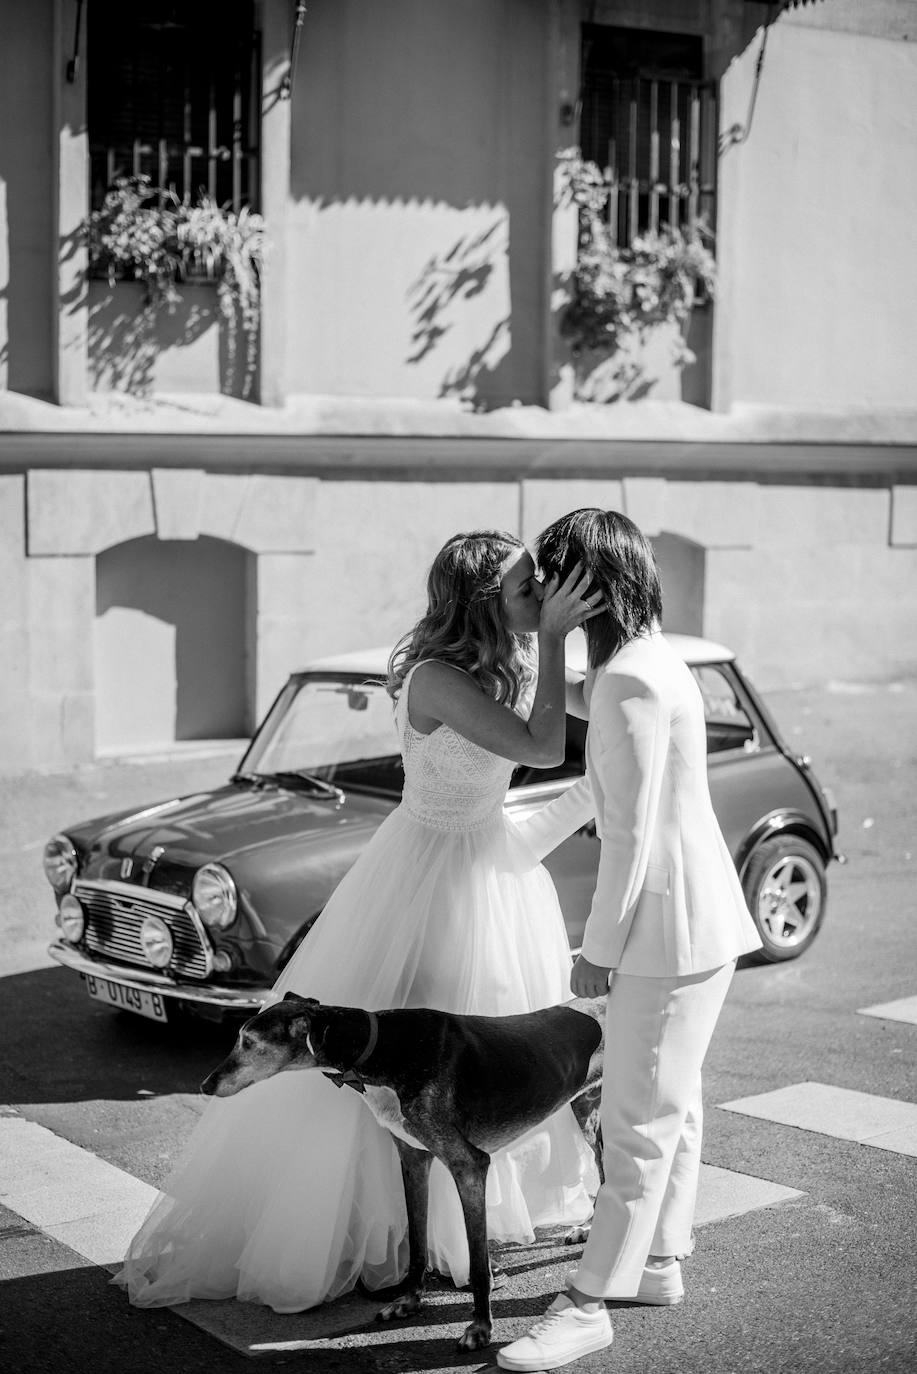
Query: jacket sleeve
555	822
632	726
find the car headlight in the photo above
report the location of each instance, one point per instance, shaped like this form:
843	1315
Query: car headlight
156	941
72	919
214	895
59	862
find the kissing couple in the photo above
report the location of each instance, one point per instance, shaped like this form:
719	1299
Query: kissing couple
290	1193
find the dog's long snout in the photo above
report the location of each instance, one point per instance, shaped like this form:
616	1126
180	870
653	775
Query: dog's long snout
228	1078
211	1084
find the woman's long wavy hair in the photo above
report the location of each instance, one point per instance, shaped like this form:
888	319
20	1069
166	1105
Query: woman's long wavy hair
623	566
464	624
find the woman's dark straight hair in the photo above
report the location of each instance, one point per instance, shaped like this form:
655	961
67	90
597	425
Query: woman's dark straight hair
623	566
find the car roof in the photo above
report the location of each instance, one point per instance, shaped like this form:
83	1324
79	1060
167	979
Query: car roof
374	662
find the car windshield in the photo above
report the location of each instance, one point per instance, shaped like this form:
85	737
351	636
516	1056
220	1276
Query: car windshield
335	728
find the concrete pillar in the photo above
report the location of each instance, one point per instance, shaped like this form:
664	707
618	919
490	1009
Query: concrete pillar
562	98
275	194
70	183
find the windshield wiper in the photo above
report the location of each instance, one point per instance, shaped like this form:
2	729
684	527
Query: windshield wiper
253	779
301	778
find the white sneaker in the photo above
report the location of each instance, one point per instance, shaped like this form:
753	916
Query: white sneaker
564	1333
660	1286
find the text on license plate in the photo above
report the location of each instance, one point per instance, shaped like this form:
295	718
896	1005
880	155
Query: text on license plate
130	999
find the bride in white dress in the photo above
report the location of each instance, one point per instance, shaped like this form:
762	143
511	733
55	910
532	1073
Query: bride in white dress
290	1193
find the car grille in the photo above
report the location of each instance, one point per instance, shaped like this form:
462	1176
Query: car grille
115	913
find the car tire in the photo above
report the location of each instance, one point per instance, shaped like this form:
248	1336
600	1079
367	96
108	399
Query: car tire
786	891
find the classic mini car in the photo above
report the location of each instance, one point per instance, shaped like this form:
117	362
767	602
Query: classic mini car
198	902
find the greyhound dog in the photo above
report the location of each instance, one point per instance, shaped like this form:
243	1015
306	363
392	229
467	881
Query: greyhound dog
454	1087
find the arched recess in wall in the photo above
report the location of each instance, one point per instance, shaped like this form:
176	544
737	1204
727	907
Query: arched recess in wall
683	570
173	643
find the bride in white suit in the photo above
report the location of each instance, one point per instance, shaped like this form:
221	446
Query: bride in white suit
668	921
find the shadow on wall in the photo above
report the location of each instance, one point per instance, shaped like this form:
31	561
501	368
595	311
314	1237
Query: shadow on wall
419	126
27	209
450	284
641	368
683	570
139	346
445	287
439	110
127	335
173	642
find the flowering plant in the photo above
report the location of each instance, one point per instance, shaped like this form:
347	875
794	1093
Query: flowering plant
619	294
147	233
132	234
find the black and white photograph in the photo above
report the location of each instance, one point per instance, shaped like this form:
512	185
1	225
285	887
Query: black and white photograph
458	689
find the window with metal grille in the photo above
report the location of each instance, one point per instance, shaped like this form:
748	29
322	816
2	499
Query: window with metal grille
650	118
173	94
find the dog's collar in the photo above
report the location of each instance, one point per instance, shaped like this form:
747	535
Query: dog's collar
371	1040
349	1077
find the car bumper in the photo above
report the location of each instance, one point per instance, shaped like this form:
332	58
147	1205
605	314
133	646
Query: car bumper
221	999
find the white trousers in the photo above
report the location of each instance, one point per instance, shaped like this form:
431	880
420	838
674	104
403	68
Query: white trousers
656	1036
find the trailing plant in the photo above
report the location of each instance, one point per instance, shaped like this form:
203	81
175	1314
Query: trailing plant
227	246
618	294
148	234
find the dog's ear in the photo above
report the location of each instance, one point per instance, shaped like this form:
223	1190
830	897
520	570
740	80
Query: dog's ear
309	1027
309	1002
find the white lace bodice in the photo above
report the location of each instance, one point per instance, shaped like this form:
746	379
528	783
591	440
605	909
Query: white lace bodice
449	782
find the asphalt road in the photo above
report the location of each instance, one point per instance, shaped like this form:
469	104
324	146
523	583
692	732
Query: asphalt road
826	1282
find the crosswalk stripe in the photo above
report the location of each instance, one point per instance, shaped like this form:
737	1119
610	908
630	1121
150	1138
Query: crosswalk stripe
69	1193
95	1208
883	1123
723	1193
905	1009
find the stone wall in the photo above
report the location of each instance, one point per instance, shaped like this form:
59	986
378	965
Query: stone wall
807	580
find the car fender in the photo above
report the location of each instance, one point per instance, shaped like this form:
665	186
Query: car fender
784	821
296	939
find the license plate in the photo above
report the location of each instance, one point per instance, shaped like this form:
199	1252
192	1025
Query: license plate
148	1004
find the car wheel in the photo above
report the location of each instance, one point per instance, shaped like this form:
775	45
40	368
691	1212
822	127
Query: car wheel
786	892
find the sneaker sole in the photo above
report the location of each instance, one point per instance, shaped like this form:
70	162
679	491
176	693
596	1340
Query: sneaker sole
527	1366
651	1302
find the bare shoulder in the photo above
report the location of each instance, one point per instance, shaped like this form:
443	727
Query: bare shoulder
434	681
435	672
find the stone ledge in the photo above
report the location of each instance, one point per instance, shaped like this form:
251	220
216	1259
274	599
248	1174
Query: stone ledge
355	416
462	458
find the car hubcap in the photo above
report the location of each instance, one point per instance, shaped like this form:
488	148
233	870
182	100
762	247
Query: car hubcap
789	901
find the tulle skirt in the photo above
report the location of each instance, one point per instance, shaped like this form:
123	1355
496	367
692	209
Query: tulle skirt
290	1192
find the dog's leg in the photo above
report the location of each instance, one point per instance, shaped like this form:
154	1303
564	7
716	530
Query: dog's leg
470	1173
415	1171
587	1110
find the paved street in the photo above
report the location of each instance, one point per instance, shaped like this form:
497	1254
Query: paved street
805	1258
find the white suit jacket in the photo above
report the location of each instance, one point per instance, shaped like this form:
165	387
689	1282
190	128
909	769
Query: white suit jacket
667	899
